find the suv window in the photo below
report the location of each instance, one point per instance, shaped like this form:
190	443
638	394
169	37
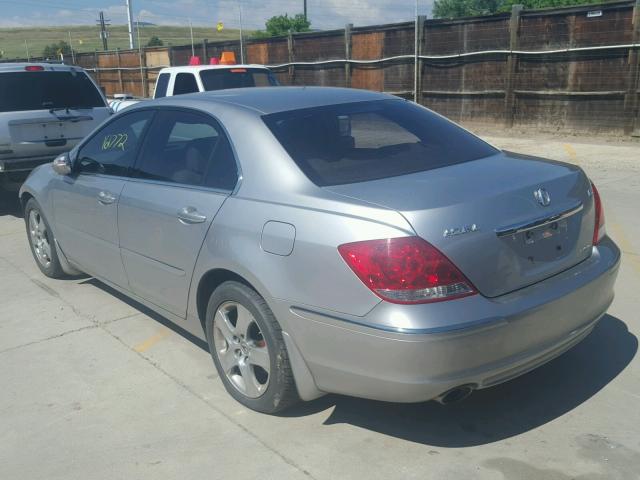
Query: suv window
161	85
112	149
187	148
43	90
359	142
185	83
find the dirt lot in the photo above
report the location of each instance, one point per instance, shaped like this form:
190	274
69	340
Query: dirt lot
95	386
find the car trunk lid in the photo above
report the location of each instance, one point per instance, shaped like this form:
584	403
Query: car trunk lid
484	215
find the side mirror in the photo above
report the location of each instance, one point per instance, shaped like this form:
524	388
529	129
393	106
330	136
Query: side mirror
62	164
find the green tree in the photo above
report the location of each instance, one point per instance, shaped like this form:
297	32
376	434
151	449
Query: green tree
54	50
469	8
155	42
281	24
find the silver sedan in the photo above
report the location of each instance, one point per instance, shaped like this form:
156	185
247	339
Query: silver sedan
330	240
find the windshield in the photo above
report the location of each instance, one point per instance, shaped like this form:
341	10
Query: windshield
222	78
359	142
40	90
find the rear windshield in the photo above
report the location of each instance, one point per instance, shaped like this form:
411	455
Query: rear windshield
222	78
358	142
39	90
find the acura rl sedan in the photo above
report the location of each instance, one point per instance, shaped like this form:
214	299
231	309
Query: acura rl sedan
330	240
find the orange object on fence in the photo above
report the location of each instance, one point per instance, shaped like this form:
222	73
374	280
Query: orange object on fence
228	58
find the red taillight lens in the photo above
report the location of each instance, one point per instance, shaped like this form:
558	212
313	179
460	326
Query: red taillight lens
406	270
598	229
34	68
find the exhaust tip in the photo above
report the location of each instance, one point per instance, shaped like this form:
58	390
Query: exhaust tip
455	395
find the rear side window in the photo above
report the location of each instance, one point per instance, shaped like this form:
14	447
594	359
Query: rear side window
187	148
161	85
359	142
185	83
43	90
219	79
112	150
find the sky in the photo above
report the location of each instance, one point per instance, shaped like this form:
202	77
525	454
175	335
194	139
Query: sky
324	14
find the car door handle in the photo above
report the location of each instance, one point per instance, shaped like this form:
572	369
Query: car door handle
106	198
190	215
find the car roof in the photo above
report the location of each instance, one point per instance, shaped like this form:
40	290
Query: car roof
51	67
267	100
199	68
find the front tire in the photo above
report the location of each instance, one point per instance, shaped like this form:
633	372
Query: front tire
246	344
42	241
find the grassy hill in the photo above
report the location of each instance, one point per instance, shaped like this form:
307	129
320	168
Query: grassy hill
86	38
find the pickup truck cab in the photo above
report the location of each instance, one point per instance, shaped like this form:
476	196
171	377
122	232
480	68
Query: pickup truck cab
204	78
45	110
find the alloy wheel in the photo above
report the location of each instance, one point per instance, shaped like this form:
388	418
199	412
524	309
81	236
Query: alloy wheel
241	349
39	238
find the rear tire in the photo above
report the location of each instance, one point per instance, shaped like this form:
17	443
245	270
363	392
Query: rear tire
246	344
41	241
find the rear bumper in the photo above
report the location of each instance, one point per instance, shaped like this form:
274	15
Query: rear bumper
415	353
24	164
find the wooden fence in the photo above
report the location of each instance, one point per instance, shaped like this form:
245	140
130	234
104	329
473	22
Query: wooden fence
571	69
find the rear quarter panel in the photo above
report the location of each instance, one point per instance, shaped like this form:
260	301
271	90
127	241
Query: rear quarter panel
313	274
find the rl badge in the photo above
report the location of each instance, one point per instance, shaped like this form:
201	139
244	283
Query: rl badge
452	232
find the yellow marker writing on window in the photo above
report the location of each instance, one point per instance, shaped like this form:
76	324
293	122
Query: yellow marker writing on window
117	140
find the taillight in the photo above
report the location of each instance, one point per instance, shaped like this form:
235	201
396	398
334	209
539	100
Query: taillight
406	270
598	229
34	68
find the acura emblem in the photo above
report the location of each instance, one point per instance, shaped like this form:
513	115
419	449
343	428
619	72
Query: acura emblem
542	196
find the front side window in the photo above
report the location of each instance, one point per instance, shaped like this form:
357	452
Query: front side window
187	148
185	83
112	150
222	78
359	142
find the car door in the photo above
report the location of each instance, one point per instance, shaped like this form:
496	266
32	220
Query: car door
85	202
185	171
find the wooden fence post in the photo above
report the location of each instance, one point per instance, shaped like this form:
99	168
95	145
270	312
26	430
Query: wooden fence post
291	57
512	62
422	20
97	67
144	76
205	52
120	83
631	106
347	54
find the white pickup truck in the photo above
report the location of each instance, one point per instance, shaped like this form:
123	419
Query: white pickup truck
203	78
45	109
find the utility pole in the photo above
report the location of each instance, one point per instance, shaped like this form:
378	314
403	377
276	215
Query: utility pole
132	43
305	9
26	47
193	48
416	61
241	39
103	31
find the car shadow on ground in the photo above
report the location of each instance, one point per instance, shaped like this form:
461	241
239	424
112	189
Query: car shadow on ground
487	416
147	311
500	412
10	203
